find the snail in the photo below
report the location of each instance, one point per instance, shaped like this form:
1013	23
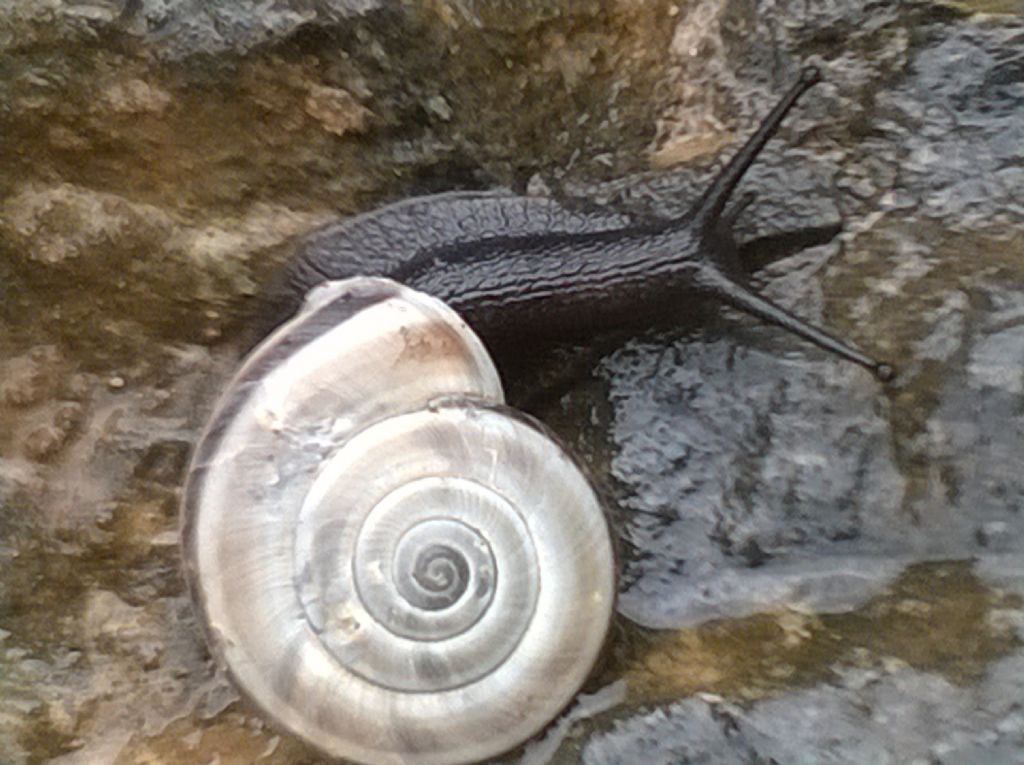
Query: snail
527	269
389	561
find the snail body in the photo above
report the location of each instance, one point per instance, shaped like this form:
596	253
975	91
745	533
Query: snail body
521	269
389	561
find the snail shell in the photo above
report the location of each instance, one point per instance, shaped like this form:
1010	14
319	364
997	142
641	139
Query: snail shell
387	560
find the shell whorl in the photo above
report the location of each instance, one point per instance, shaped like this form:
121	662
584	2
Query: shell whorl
390	562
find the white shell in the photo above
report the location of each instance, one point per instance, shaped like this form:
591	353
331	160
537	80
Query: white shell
388	561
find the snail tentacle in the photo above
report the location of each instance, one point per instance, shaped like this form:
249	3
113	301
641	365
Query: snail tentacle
718	275
733	214
758	253
743	298
708	208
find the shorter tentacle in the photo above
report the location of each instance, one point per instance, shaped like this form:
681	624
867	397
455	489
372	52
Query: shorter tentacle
762	251
730	217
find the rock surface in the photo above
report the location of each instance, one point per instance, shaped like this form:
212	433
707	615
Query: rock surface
817	567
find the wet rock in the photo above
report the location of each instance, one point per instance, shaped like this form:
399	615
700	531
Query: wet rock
895	715
162	156
888	701
39	406
336	110
691	128
87	245
960	118
176	28
135	96
793	466
31	377
61	223
59	422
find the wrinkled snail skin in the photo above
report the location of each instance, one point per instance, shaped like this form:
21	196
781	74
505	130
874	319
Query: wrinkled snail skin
519	268
388	561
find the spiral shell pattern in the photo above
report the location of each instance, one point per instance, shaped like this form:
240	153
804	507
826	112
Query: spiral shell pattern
390	562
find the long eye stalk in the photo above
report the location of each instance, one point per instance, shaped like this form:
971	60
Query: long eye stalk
710	206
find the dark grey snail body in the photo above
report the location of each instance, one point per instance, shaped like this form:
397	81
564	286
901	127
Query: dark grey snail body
521	268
